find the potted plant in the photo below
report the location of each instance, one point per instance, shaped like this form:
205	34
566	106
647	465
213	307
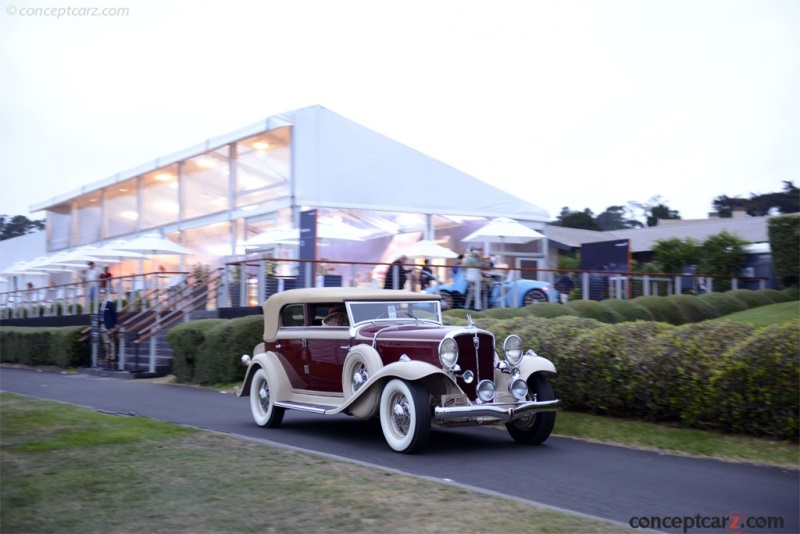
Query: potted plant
200	278
235	284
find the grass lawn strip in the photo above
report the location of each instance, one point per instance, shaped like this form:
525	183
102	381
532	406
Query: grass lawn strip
68	469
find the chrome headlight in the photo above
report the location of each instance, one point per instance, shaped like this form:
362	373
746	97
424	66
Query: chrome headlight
485	390
512	348
518	388
448	352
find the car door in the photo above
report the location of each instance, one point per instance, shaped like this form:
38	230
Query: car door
291	345
326	348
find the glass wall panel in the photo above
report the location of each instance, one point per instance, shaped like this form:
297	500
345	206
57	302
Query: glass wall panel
59	222
205	183
263	168
120	211
159	190
210	244
88	219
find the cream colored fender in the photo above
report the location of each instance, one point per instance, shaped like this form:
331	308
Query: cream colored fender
364	404
280	386
535	364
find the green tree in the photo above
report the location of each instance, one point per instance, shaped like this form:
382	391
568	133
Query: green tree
672	254
722	254
786	201
616	218
577	219
784	241
654	210
18	225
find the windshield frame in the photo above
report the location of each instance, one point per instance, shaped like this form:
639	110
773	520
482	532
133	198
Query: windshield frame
374	311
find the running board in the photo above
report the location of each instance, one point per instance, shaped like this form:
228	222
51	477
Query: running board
313	408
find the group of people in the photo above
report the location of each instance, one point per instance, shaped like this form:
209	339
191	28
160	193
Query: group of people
398	270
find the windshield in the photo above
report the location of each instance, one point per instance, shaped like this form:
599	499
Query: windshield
396	310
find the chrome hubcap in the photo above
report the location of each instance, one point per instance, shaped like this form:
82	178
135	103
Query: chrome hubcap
401	418
359	377
263	395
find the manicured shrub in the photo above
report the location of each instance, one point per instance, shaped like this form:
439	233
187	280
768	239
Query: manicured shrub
694	309
751	299
774	295
758	388
503	313
663	309
591	309
628	310
219	359
678	367
792	292
548	310
186	339
57	346
724	303
600	370
458	312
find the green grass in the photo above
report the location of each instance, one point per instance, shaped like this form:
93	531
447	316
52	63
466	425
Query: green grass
766	315
682	441
67	469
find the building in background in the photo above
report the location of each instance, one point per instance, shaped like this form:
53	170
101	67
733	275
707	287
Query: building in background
214	197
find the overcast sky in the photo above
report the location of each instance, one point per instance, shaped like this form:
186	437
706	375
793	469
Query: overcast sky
579	104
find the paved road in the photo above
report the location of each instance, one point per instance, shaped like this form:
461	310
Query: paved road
605	481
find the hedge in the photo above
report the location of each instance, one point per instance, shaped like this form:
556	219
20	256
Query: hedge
694	309
219	357
724	303
549	310
629	310
757	391
591	309
663	309
185	340
678	366
751	299
60	347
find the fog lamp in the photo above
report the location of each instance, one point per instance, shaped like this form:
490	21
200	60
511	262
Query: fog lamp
485	390
468	376
518	389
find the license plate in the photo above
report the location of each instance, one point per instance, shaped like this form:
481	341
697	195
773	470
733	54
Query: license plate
455	399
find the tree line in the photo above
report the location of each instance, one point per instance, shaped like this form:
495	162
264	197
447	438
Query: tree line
639	214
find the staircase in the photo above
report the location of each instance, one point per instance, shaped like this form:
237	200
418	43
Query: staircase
143	350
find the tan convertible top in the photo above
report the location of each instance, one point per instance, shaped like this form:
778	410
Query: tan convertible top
275	303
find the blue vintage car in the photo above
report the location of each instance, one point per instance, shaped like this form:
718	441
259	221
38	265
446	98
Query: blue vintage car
498	292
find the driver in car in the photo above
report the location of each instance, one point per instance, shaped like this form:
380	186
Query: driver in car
337	316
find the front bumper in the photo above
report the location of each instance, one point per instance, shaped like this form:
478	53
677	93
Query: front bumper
501	412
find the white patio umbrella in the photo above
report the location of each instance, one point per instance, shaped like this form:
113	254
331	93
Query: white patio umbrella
428	249
110	250
503	230
23	268
154	244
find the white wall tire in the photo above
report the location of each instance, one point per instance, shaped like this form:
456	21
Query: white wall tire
262	404
405	415
361	363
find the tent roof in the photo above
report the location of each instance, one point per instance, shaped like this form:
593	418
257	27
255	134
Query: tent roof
340	164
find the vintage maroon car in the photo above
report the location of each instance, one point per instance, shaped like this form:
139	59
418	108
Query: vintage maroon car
384	353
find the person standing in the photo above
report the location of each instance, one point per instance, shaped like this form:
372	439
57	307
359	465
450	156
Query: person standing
425	275
474	276
91	277
565	285
108	323
104	278
396	269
